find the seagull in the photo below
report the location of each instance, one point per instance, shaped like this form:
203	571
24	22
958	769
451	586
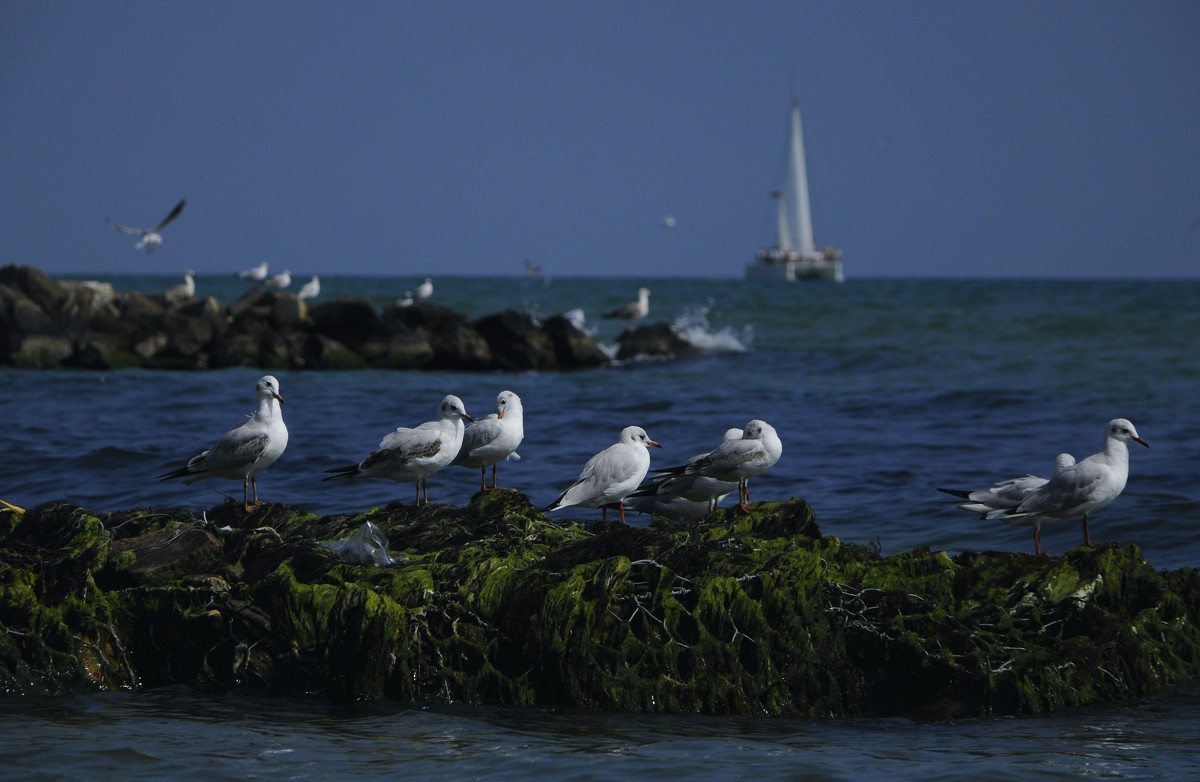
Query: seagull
247	449
184	291
149	238
414	454
310	289
491	440
280	281
424	290
255	274
673	495
757	451
406	300
1078	489
634	310
611	475
1008	493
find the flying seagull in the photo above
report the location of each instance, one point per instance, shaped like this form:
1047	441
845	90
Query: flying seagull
150	238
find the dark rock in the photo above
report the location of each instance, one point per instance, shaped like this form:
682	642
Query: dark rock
455	342
741	613
348	321
574	349
517	342
657	340
48	294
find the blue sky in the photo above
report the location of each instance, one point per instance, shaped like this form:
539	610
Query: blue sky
1023	138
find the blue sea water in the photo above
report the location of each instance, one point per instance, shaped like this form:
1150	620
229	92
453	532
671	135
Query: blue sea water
881	390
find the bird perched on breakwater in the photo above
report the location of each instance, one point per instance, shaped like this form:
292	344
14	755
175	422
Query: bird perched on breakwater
255	273
310	289
1076	489
280	281
634	310
245	450
414	454
149	239
424	290
684	496
491	440
611	475
184	291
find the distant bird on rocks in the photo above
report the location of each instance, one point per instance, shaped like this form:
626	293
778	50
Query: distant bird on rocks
406	300
1076	489
414	454
424	290
184	291
634	310
245	450
255	274
280	281
310	289
611	475
686	495
491	440
149	238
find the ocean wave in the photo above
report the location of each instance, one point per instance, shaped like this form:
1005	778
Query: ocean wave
693	327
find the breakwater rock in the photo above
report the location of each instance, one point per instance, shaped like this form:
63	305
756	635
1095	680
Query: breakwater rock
744	613
63	323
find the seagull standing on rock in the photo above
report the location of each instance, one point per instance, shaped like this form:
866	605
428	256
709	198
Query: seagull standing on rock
737	461
611	475
414	454
149	238
310	289
255	274
247	449
184	291
1077	489
491	440
424	290
634	310
280	281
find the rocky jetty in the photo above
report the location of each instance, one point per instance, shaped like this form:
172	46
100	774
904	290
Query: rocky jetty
46	323
741	614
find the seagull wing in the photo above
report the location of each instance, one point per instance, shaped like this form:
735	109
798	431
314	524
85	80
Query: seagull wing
174	213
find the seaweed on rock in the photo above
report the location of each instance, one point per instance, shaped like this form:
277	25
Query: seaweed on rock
742	613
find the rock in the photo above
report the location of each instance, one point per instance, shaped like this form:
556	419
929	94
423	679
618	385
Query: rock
42	352
47	294
573	348
348	321
739	614
516	342
657	340
455	342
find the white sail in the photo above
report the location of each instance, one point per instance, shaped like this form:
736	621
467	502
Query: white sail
795	216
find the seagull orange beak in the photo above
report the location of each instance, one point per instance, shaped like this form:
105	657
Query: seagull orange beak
651	442
500	415
1140	440
278	398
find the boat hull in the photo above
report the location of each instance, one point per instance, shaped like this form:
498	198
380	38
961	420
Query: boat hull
790	271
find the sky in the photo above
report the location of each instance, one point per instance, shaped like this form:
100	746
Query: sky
1023	138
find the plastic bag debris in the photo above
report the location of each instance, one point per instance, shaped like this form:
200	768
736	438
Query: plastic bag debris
367	546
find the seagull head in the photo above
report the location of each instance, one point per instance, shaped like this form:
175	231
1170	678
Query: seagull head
1122	429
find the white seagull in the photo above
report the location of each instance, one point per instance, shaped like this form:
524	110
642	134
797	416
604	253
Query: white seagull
280	281
611	475
424	290
1078	489
634	310
414	454
149	238
310	289
1008	493
184	291
256	273
685	496
491	440
247	449
739	460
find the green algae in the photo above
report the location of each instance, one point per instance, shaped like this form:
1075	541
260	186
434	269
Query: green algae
744	613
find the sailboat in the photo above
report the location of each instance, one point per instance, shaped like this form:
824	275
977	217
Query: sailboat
795	255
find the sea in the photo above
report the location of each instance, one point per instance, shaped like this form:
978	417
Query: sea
882	391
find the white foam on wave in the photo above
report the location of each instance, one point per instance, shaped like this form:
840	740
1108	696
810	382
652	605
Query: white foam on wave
693	327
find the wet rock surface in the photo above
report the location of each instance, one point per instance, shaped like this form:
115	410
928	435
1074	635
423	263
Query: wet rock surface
747	614
47	323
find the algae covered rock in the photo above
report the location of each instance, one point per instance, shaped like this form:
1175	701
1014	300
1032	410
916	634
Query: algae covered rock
753	614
